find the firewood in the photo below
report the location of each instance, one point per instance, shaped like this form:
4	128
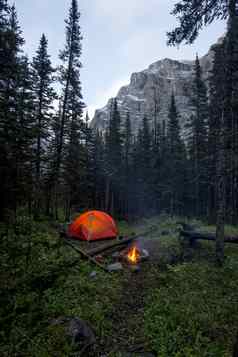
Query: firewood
109	246
85	255
117	243
89	254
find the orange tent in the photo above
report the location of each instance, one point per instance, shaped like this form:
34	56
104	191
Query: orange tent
93	225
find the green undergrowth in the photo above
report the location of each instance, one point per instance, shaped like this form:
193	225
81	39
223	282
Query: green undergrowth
194	310
125	228
43	279
190	305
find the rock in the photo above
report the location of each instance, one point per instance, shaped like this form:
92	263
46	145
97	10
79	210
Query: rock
144	254
134	268
114	267
93	274
79	331
116	255
152	87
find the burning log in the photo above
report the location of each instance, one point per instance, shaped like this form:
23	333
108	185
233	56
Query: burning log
134	255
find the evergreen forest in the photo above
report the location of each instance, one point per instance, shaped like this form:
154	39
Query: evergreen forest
54	165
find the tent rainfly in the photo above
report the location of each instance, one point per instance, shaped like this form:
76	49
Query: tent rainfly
92	226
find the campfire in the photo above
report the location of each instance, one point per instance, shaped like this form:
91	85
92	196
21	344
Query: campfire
133	255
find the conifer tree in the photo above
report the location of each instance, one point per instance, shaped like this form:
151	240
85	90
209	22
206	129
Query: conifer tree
4	11
161	161
157	163
231	106
216	107
145	168
136	208
89	162
127	159
74	167
25	134
175	160
70	76
11	47
193	15
114	160
51	167
98	170
44	95
198	141
72	105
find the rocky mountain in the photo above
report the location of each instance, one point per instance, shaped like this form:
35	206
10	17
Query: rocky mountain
149	92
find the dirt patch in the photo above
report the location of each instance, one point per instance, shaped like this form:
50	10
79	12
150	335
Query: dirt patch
127	315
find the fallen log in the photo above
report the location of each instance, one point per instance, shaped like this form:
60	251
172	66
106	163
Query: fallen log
186	226
193	236
85	255
110	246
118	243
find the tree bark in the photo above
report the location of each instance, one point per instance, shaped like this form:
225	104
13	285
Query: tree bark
221	195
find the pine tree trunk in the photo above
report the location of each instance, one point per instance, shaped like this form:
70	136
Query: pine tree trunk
112	204
47	205
56	193
2	210
235	163
221	197
68	207
172	205
107	196
38	160
211	202
197	213
64	109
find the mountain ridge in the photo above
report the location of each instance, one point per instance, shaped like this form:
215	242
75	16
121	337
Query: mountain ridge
149	92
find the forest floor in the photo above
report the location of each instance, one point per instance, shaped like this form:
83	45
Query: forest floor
179	304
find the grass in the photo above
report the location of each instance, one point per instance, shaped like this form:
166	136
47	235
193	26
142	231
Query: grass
186	309
194	312
194	309
54	282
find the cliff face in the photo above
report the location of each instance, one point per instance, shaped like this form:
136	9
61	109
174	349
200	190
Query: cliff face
149	92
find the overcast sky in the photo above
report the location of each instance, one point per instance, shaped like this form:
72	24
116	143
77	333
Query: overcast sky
120	37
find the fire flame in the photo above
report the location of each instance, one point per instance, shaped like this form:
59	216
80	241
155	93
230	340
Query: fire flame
133	255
